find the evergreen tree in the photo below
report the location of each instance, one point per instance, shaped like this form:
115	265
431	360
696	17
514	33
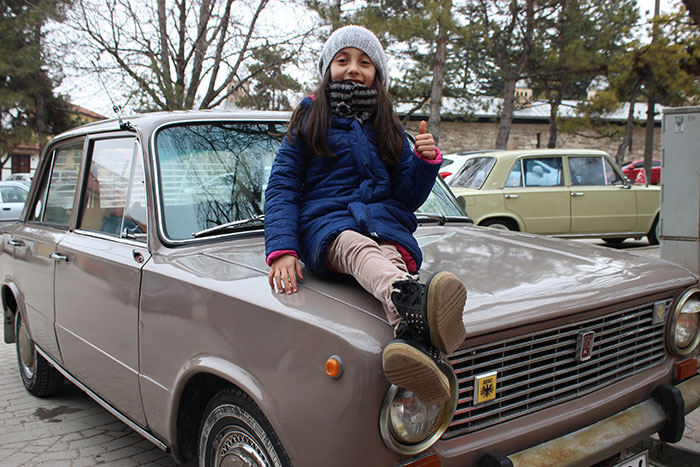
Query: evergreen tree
29	109
574	46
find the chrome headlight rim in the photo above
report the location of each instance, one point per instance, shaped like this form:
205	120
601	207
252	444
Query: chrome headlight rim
692	347
413	449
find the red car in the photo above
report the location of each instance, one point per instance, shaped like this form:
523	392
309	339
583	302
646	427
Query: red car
632	170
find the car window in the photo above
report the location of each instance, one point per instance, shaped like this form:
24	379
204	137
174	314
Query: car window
441	202
611	175
114	200
13	194
515	177
474	172
54	205
213	173
587	171
545	171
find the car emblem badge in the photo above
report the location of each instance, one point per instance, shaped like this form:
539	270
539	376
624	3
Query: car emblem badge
485	387
584	345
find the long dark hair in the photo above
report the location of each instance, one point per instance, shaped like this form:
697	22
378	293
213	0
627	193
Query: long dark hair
313	123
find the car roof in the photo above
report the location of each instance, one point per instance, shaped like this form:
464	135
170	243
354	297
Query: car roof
14	183
514	153
145	123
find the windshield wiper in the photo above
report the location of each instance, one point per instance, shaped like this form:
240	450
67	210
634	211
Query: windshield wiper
442	219
233	226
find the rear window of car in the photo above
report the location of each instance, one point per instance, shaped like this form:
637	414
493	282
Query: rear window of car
474	172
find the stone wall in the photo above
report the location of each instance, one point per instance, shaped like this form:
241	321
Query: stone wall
469	136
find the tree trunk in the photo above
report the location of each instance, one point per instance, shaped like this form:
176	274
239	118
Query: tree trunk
629	126
553	125
438	70
436	90
512	75
506	120
649	140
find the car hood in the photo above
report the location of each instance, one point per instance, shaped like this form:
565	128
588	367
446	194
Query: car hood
511	278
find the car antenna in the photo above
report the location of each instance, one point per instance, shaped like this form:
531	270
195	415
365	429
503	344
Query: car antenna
117	109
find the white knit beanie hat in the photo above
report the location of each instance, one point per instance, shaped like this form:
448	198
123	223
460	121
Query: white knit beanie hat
360	38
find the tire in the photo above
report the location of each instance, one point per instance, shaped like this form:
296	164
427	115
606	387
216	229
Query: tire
38	376
498	224
614	241
234	431
653	234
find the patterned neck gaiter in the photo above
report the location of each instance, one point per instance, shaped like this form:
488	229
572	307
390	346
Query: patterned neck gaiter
348	99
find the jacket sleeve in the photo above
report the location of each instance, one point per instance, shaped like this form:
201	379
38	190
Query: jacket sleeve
283	197
412	178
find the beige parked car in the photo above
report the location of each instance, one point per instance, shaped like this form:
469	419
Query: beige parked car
561	192
137	272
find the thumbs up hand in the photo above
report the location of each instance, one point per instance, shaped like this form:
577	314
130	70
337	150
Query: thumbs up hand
425	144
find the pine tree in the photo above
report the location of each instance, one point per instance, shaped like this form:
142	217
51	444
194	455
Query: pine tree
29	109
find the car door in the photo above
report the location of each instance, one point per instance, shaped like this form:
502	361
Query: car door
98	278
601	202
33	242
12	198
535	191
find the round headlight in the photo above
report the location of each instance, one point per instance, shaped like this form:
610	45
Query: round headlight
408	426
411	421
685	323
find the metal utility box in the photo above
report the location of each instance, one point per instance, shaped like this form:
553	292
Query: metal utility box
680	186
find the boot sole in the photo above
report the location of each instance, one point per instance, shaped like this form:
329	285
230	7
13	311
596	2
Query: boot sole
446	297
409	368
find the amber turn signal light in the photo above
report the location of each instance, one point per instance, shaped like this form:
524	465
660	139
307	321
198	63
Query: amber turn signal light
334	367
686	369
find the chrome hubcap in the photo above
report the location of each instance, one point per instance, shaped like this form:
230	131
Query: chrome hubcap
27	353
238	449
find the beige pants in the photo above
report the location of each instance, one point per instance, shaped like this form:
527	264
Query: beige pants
375	265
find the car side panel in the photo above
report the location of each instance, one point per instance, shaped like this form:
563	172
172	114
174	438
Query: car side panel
97	299
648	205
603	209
544	210
34	276
274	348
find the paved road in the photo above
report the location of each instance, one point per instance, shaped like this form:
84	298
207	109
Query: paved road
71	430
66	430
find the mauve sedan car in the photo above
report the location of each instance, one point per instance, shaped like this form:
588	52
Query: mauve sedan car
139	275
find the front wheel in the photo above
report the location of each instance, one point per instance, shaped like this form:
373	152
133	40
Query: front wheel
235	432
499	224
653	234
38	376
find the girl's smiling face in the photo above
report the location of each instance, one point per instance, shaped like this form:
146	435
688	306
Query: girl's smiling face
351	64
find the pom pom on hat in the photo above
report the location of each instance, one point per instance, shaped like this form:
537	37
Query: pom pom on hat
360	38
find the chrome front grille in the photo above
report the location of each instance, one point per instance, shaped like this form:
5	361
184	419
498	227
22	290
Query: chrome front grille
540	369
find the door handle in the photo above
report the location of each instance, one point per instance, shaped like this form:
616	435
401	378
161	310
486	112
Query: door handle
14	242
577	193
512	196
58	257
6	209
138	257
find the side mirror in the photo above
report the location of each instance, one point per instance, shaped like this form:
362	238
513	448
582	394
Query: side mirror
462	203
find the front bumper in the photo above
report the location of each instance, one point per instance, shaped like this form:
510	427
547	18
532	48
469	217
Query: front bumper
607	437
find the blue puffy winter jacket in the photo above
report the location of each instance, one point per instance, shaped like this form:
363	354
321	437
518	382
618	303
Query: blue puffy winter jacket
311	199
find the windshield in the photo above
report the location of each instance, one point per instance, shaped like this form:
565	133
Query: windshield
215	173
474	172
